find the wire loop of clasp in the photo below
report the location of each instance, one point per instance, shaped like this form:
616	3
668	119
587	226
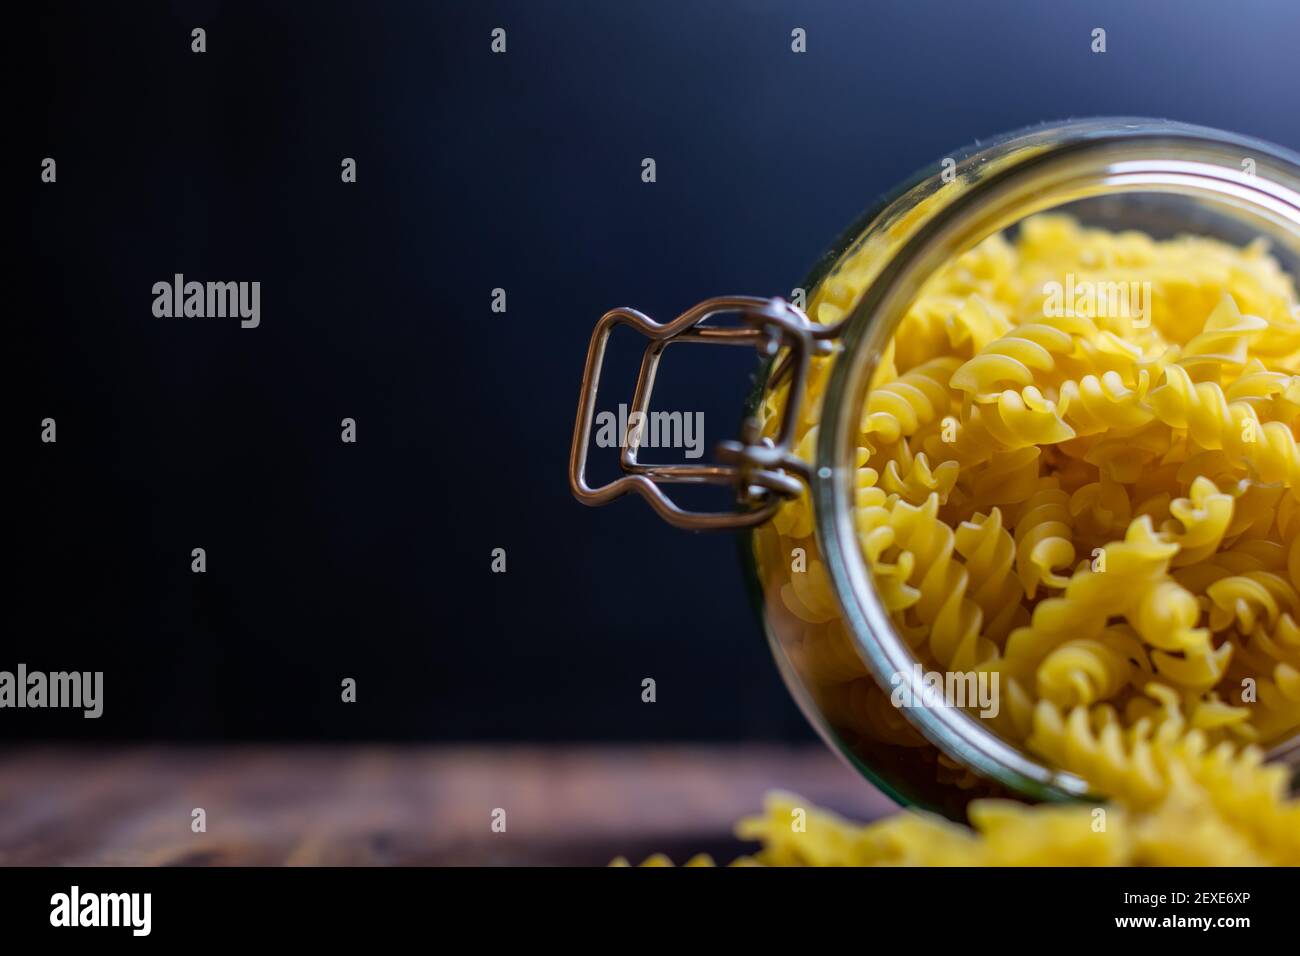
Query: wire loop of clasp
763	470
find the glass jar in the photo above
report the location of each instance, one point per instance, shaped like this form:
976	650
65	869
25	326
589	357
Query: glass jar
794	468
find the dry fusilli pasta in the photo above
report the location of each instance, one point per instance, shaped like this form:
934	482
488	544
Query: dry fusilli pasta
1097	500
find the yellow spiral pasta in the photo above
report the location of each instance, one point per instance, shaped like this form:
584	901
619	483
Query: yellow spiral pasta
1096	500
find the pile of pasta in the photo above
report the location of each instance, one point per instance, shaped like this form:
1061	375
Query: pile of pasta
1182	830
1097	499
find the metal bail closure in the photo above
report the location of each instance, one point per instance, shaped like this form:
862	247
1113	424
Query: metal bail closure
763	470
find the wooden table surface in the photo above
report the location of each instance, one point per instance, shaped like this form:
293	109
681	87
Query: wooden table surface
399	805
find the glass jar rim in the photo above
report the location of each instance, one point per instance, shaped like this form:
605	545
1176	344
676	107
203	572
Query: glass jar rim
1045	167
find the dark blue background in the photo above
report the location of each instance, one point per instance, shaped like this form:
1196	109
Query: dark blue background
476	171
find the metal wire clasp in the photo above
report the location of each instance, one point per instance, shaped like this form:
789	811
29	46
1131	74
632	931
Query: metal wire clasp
763	470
